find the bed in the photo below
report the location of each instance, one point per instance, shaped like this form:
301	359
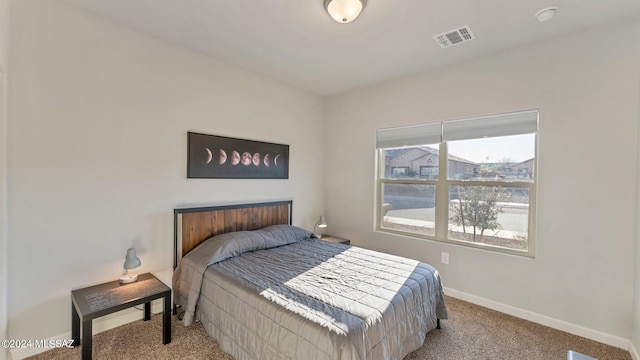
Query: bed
265	289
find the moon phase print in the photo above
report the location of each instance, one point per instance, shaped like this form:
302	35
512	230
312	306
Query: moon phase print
220	157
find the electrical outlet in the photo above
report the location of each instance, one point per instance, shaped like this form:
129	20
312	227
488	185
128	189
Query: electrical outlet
444	257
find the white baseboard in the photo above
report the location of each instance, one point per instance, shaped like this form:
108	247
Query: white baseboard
634	352
574	329
104	323
99	325
130	315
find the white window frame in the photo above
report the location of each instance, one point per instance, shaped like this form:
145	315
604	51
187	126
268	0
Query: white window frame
514	124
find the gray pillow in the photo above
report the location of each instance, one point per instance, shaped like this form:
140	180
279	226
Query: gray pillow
224	246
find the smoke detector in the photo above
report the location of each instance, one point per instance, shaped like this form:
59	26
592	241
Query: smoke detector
546	14
454	37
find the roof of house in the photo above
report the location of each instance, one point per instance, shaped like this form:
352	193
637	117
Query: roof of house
394	153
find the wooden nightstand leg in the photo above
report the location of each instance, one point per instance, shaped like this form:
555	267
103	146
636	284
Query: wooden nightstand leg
75	326
147	311
86	339
166	320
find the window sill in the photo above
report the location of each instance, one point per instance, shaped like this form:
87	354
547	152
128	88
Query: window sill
477	245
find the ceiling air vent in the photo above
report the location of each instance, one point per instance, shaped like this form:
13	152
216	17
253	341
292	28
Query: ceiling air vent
454	37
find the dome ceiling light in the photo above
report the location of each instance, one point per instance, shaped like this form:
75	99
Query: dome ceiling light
546	14
344	11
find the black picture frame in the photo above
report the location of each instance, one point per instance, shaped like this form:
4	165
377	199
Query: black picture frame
221	157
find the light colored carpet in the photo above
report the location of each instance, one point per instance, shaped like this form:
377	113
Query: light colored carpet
472	332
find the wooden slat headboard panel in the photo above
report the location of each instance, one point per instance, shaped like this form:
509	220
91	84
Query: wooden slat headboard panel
199	224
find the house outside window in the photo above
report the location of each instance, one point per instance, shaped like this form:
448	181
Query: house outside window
429	172
469	182
400	171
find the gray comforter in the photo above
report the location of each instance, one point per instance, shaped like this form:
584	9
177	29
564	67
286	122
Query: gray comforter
277	293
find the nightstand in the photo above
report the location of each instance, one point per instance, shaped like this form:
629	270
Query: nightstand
99	300
335	239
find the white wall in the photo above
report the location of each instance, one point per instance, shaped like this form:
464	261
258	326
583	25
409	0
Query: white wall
4	55
635	335
586	87
96	162
97	152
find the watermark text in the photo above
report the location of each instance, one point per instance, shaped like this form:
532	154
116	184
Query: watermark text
31	343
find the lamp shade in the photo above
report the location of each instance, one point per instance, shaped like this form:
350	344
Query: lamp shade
131	261
344	11
321	223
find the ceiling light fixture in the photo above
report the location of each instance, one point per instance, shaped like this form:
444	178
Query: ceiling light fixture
546	14
344	11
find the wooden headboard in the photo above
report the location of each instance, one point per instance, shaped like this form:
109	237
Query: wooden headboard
194	225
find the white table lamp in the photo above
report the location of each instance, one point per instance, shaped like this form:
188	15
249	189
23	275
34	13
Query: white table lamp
319	224
131	261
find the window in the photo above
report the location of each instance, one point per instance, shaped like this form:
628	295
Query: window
428	172
470	182
400	171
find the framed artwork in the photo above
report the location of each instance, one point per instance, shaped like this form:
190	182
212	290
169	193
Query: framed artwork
212	156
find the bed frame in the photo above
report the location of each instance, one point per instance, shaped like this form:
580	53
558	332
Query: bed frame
194	225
